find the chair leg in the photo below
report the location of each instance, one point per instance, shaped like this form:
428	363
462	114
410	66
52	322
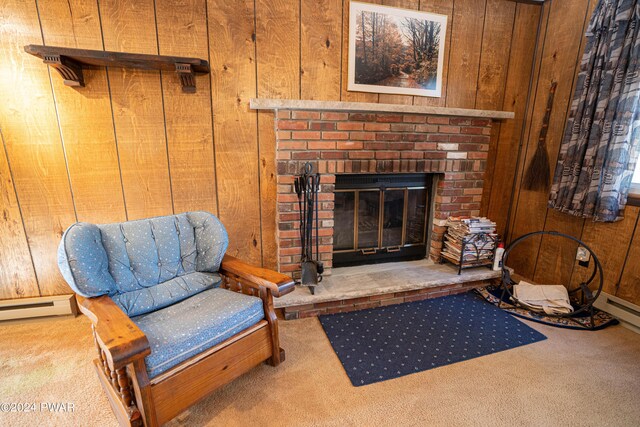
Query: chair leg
277	355
273	361
142	389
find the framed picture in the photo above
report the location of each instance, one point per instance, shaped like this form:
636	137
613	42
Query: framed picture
393	50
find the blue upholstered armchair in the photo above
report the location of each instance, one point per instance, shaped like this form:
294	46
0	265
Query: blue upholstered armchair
173	317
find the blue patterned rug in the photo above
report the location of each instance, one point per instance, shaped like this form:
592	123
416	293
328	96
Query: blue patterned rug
388	342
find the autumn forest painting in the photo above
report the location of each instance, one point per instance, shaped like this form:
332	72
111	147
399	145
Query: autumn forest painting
395	50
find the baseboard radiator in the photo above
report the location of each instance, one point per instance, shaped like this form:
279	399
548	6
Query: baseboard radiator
22	308
624	310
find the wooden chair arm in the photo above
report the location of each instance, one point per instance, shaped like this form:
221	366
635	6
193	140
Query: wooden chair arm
116	334
256	277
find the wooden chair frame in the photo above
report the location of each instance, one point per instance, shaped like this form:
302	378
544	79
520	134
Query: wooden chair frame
138	400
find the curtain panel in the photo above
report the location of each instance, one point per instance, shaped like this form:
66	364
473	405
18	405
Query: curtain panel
600	146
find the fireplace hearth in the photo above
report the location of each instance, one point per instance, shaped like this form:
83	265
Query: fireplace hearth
380	218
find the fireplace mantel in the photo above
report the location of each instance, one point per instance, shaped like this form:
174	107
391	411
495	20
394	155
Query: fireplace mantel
360	107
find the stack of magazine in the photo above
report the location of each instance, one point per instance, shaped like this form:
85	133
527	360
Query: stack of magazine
470	241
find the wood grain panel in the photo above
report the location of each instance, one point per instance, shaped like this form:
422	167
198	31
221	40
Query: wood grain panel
610	242
233	71
558	64
554	219
497	191
466	46
32	139
526	131
182	31
442	7
278	45
557	255
17	277
320	49
494	58
92	158
136	95
629	288
278	76
492	74
386	98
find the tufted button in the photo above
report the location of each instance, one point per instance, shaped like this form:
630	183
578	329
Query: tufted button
131	268
159	264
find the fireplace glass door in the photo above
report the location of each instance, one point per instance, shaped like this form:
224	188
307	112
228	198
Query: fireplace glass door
380	218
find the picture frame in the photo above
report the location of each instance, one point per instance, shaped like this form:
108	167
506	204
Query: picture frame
395	51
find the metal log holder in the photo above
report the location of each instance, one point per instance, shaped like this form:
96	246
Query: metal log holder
582	295
479	241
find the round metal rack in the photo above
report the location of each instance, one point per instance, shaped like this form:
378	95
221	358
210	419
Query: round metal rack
581	295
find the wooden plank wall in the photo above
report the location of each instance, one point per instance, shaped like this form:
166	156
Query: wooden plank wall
552	260
132	145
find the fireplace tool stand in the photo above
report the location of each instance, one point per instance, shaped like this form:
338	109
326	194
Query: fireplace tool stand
306	186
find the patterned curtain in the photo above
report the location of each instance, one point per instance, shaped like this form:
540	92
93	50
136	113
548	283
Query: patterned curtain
601	140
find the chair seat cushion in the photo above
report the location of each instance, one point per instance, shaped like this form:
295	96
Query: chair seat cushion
196	324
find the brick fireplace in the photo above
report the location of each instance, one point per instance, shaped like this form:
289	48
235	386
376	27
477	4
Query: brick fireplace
452	147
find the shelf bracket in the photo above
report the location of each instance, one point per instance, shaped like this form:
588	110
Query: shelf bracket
70	70
187	77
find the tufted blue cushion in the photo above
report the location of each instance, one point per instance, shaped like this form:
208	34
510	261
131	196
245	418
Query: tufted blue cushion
83	261
126	260
141	301
196	324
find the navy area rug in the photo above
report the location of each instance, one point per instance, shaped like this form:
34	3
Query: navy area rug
382	343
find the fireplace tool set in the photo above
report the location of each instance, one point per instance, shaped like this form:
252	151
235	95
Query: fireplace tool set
306	186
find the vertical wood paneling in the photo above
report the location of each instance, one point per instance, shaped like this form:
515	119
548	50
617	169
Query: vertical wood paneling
92	159
320	49
498	189
136	95
466	46
17	278
182	31
526	131
278	76
233	72
558	64
629	288
442	7
563	254
32	139
610	242
492	74
494	58
552	260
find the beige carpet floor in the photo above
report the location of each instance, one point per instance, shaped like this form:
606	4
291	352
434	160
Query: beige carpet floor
574	378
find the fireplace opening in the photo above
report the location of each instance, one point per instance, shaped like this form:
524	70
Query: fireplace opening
380	218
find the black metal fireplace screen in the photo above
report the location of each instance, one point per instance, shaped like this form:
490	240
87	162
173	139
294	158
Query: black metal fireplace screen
380	218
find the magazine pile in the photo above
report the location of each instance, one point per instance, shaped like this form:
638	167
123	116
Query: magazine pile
470	241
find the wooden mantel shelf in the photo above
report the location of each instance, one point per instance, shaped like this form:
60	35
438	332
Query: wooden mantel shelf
69	63
295	104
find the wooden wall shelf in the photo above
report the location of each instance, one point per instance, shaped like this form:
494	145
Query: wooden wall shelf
70	62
